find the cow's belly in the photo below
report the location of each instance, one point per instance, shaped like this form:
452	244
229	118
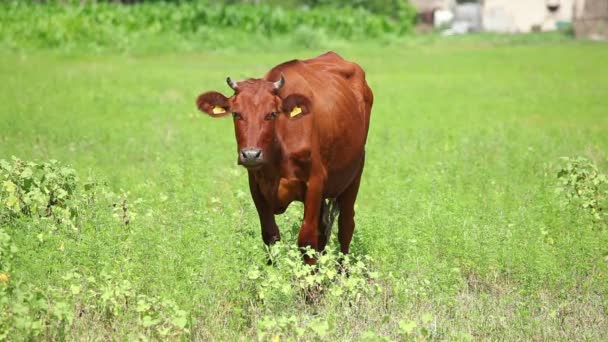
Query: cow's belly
342	159
293	188
338	180
336	157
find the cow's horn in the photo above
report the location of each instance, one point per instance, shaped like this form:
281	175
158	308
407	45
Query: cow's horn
231	83
280	83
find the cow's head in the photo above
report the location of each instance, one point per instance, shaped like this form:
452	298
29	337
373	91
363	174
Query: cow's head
255	108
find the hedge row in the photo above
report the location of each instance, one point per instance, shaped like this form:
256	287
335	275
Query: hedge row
107	24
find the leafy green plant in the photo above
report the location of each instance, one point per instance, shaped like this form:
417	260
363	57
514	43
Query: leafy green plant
30	311
26	310
51	192
343	277
122	208
114	299
38	190
336	282
583	185
293	328
7	250
419	329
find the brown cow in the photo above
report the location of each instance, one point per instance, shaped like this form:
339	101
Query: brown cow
301	133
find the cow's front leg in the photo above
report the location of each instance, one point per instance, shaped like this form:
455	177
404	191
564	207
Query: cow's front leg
309	232
270	230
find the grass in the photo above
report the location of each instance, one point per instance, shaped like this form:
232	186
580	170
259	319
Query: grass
457	204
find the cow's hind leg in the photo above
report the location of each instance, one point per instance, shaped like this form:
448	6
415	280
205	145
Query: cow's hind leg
346	204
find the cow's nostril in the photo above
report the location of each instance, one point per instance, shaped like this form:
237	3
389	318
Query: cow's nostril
251	154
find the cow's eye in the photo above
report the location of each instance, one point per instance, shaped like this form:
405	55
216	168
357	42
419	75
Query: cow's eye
237	115
271	116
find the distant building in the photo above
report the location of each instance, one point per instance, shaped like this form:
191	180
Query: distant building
427	8
508	16
591	19
516	16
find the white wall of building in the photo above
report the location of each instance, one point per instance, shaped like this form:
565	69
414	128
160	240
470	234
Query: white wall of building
522	15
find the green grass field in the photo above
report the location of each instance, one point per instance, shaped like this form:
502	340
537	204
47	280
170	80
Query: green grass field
457	206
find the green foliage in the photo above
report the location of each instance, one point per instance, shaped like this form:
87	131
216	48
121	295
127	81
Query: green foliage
422	329
51	194
401	9
335	281
27	311
7	250
346	278
54	312
114	301
308	37
583	185
38	190
24	309
109	25
293	328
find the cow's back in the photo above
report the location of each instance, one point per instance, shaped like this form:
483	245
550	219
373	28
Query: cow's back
340	114
350	76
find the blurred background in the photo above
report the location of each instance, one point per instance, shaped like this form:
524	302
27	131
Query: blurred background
214	24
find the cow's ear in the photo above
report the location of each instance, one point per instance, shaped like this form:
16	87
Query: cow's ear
296	105
213	103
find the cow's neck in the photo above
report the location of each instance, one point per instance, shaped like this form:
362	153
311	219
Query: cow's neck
269	176
270	173
278	183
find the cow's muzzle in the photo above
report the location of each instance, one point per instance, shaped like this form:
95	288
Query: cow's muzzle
251	157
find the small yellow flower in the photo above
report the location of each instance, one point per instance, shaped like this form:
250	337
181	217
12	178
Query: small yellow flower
4	277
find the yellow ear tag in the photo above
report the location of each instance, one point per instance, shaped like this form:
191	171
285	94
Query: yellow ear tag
218	110
295	111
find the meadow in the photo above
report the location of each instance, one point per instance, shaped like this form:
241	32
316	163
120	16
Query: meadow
462	232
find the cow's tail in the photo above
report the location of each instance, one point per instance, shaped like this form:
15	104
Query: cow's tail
330	212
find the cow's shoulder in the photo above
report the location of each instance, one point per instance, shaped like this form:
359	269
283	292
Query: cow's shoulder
329	64
329	80
332	65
